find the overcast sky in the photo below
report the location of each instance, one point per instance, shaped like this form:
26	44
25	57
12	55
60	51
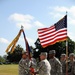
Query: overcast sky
32	14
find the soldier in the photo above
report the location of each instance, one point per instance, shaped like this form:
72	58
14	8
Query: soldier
63	62
44	66
33	65
33	61
24	64
56	67
71	65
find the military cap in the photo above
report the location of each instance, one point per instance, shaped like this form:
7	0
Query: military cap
71	54
24	52
52	52
63	55
43	53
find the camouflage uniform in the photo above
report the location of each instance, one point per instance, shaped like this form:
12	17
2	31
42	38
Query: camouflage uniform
63	62
24	67
33	62
63	67
44	67
71	66
56	67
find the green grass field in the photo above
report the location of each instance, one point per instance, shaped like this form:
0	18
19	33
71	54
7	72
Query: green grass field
8	69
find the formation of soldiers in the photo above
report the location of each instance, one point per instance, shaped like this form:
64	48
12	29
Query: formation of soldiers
52	67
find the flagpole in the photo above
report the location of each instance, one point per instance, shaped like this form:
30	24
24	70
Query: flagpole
66	52
67	57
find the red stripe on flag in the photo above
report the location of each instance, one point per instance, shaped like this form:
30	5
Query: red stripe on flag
51	38
51	43
46	29
53	34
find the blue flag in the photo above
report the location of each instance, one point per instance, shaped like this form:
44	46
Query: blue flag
27	46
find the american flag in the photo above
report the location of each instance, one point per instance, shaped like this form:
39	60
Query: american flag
27	46
53	34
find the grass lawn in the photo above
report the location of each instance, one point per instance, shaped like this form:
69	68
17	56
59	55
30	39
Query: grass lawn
8	69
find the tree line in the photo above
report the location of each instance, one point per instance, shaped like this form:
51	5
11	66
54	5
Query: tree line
60	48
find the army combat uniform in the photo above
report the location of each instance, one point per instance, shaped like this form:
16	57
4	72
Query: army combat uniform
63	67
63	62
71	68
33	62
24	67
56	67
44	67
71	65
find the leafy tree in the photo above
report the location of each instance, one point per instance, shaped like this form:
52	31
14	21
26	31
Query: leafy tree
16	55
2	59
5	57
60	48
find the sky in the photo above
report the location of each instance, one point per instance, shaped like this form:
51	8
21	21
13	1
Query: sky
32	14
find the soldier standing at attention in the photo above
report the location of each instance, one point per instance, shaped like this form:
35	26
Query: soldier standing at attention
56	67
24	64
63	62
44	65
71	64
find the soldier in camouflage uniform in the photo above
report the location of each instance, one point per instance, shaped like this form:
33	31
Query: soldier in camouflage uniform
24	65
33	62
33	65
63	62
71	65
44	65
56	67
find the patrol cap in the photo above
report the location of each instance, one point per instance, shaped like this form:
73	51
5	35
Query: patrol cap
63	55
24	52
43	53
52	52
71	54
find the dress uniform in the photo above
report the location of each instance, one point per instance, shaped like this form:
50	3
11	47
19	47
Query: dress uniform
63	62
24	66
71	65
56	67
44	65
